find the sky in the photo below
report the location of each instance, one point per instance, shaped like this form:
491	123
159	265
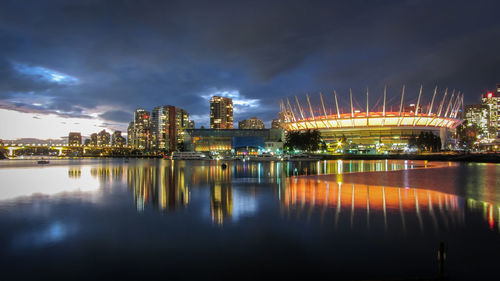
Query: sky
85	65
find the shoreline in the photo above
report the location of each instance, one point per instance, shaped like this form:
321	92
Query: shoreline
468	157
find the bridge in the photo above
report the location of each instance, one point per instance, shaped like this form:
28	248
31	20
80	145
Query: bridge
11	148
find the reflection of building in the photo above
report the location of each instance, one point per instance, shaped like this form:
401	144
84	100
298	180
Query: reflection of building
160	185
221	113
253	123
75	172
118	140
351	204
226	140
75	139
103	138
354	200
221	195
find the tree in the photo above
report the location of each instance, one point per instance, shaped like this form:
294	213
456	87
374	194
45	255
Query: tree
309	140
467	135
426	141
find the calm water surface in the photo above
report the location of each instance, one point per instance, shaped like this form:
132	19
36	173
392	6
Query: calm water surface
157	219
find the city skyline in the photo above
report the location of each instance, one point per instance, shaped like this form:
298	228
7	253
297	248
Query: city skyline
80	67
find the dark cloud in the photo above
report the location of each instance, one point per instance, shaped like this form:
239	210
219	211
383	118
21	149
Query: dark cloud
117	116
128	54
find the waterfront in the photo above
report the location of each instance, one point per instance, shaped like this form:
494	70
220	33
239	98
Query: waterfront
152	218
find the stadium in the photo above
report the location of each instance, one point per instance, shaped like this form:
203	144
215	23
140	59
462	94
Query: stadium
380	130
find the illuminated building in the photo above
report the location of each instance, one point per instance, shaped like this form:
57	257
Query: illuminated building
181	124
93	139
142	129
221	113
276	124
75	139
103	139
163	127
279	123
252	123
376	130
236	141
478	115
168	125
131	135
118	140
492	101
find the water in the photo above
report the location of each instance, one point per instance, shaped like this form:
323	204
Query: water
157	219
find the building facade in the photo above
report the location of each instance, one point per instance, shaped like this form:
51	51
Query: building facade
221	113
163	127
103	139
118	140
168	125
233	141
142	129
492	101
253	123
131	135
75	139
478	115
93	139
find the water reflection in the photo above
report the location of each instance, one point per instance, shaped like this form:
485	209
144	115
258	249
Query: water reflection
221	194
232	192
358	205
162	186
166	186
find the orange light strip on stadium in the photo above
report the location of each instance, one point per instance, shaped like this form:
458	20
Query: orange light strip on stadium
375	119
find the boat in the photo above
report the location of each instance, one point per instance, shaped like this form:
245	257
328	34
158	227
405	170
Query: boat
265	157
43	162
302	157
188	155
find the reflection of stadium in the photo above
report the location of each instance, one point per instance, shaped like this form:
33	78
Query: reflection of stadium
303	195
378	129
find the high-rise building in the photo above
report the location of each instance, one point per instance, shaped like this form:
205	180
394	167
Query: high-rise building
142	129
168	125
131	135
103	139
221	113
492	101
181	124
93	139
75	139
478	115
253	123
118	140
276	124
163	127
